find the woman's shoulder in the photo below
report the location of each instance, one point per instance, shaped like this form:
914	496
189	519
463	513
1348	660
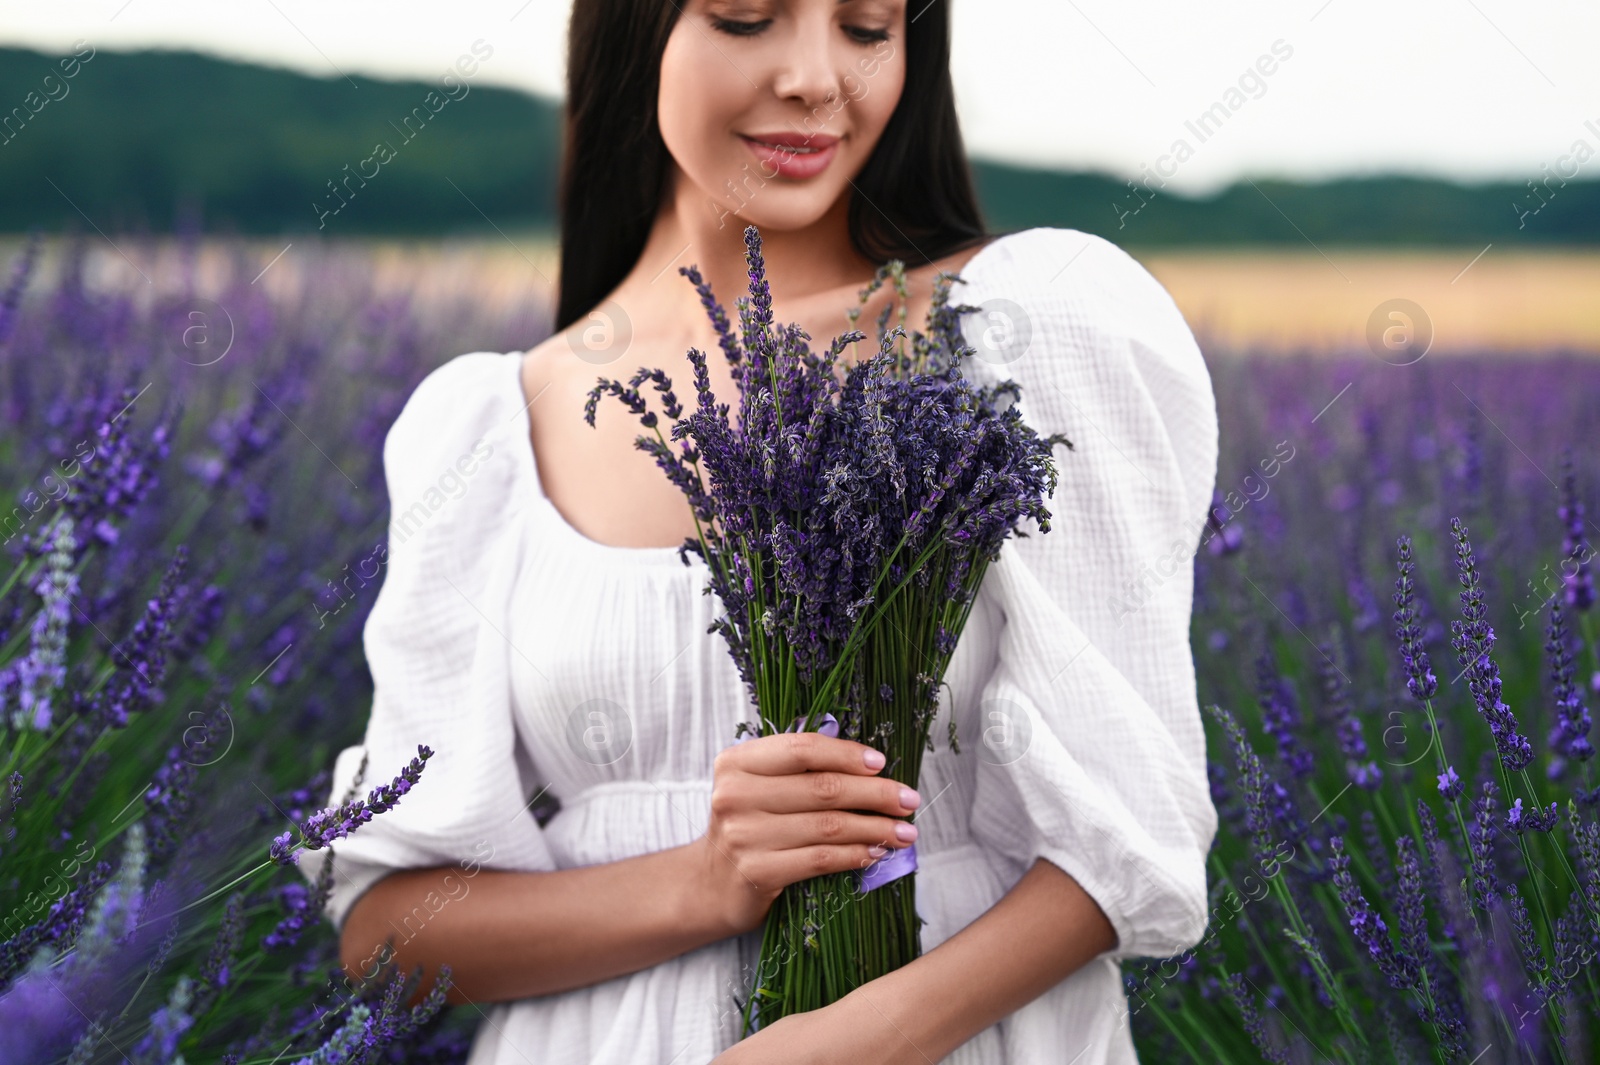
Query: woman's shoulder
1074	296
453	424
1090	332
1074	269
460	394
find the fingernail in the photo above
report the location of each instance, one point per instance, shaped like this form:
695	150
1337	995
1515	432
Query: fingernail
878	850
910	799
873	759
905	831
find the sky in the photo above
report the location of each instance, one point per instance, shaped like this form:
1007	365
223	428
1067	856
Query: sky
1467	89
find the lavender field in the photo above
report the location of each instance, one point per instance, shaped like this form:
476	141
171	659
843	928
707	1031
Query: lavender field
1394	629
1395	636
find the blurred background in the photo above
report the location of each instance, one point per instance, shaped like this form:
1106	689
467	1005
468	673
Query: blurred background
1285	169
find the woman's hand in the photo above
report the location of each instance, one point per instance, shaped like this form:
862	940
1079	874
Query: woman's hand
782	811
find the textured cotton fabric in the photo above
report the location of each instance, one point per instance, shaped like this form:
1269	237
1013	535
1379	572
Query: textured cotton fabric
529	657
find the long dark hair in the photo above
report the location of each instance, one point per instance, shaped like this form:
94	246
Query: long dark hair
914	199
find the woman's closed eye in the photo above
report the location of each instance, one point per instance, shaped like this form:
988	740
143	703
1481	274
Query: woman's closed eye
863	35
736	28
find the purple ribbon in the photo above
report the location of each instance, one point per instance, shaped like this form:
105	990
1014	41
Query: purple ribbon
898	862
892	866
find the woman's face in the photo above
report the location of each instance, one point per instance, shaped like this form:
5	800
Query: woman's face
771	107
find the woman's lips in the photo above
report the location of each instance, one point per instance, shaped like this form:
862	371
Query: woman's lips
793	155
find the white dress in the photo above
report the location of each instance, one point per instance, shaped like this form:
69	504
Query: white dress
527	655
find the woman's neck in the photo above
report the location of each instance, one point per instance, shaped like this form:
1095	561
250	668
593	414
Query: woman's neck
817	261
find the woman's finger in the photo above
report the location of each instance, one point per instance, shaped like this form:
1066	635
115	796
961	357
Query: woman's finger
797	752
836	828
803	863
825	790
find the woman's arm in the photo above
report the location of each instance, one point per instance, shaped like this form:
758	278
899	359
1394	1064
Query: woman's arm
783	808
1042	931
514	934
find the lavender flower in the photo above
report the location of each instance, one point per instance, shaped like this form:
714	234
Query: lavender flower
1281	717
217	969
169	799
1361	768
1577	579
1420	681
341	1047
1569	736
12	296
83	1049
43	670
1480	837
1253	1023
325	826
1255	783
243	435
115	913
167	1024
143	659
207	615
302	908
118	471
1570	949
1223	534
1365	922
1473	640
298	803
59	927
1533	959
373	1026
1535	820
1447	1014
1412	912
1450	785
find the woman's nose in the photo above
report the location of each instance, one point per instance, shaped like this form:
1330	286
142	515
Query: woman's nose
808	72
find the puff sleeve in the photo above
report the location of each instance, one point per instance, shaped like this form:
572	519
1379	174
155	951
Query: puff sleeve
434	644
1094	666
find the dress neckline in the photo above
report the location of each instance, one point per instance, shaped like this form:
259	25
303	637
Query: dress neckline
656	555
564	528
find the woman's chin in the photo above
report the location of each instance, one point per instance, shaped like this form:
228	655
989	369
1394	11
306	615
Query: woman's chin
776	210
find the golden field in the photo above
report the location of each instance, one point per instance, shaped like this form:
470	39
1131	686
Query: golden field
1289	300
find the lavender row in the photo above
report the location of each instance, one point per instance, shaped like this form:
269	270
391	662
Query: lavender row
194	518
1395	636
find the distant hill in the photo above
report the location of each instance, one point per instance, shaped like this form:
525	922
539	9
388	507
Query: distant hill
137	133
130	138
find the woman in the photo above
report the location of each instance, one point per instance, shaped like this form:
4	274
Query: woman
538	628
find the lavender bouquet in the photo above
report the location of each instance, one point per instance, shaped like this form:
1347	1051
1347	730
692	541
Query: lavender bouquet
847	527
